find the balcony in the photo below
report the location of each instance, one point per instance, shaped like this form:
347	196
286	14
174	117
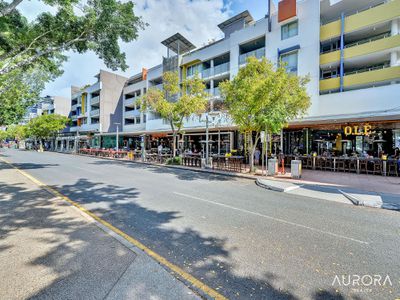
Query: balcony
130	102
95	112
207	73
132	114
73	107
213	93
95	100
360	78
367	17
362	48
74	117
221	69
259	53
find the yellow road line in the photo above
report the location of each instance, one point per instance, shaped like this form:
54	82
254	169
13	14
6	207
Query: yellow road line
180	272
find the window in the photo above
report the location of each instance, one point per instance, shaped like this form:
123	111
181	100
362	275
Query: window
289	30
290	60
192	70
137	120
144	118
138	105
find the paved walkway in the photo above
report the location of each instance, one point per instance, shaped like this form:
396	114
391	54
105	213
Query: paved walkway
50	250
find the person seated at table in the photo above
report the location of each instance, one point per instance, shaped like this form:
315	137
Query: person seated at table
160	149
364	154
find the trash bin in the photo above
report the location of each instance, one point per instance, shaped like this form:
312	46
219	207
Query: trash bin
272	166
295	167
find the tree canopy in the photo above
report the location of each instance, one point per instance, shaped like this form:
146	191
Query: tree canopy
32	52
191	99
46	126
264	97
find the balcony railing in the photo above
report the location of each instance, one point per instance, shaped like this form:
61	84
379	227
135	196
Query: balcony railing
73	107
74	117
259	53
95	112
206	73
221	69
95	100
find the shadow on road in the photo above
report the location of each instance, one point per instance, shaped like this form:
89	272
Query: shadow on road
208	258
180	174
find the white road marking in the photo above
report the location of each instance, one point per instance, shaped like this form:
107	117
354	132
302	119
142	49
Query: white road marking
274	219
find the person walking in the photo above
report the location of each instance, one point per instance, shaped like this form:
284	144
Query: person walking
257	155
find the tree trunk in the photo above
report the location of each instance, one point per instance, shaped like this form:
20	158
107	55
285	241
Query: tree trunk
174	134
253	147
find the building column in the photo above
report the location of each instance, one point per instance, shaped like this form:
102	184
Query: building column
395	56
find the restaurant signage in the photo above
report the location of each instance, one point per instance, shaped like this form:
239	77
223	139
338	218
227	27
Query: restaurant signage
358	130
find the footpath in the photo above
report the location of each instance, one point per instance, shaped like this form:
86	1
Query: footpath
50	249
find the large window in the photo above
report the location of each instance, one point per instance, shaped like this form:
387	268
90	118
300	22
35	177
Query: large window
290	61
289	30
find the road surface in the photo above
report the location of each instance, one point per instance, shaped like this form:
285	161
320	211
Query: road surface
242	240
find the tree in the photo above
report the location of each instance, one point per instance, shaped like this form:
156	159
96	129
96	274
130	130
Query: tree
78	25
32	53
46	126
264	97
193	100
16	132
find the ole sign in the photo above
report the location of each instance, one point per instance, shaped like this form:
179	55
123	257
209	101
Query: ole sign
358	130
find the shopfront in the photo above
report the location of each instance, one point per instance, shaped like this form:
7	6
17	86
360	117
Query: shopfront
352	138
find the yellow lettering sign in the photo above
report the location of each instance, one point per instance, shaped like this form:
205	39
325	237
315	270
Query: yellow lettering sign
355	130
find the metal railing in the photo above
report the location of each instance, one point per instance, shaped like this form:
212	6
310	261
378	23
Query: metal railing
95	112
363	70
258	53
206	73
95	100
354	12
222	68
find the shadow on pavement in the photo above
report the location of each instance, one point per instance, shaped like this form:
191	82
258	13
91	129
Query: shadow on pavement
48	253
180	174
207	258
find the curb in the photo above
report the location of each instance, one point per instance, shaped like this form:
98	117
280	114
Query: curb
211	171
275	188
360	202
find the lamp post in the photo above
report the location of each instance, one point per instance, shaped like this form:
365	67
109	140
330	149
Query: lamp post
213	115
117	137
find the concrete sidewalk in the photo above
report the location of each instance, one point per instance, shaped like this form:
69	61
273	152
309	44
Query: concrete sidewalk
337	193
49	249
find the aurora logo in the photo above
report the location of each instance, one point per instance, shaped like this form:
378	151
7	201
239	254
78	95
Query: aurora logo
362	280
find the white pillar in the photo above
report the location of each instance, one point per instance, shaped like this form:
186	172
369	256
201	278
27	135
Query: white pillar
394	56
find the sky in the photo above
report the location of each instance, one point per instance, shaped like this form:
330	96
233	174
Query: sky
197	20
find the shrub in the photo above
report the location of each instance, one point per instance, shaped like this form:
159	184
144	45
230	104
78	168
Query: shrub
174	161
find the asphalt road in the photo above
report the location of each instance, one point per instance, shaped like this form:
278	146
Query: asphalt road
242	240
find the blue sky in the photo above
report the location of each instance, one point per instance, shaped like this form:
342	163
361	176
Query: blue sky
197	20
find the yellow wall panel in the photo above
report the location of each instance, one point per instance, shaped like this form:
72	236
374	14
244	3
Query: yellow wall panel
329	84
372	76
370	17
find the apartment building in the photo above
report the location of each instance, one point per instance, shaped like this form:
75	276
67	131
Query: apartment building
349	49
96	109
48	105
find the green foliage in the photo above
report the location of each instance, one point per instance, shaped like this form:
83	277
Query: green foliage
16	132
32	53
192	101
264	97
177	160
46	126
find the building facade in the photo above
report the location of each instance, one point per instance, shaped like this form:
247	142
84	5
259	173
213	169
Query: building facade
96	109
49	105
349	49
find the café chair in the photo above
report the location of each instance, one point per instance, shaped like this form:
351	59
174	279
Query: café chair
392	167
353	165
341	165
363	166
377	167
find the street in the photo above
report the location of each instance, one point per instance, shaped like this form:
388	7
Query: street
239	239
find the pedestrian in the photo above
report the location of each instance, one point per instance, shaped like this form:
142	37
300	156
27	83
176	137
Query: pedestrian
257	154
159	149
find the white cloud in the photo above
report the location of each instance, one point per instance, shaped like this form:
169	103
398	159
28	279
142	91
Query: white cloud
195	19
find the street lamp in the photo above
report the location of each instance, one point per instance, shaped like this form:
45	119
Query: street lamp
212	114
117	141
